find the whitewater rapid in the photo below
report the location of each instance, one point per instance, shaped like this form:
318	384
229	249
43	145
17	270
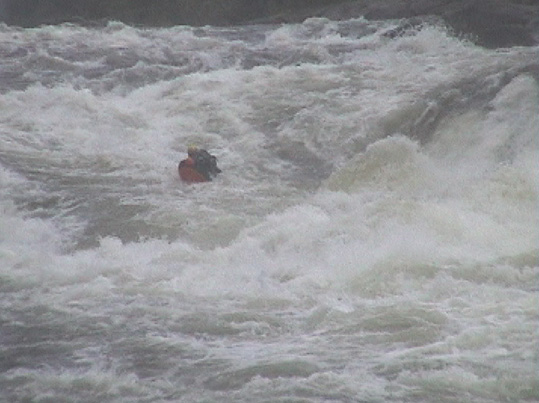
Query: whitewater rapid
373	236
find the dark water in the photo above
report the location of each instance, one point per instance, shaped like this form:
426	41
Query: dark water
492	23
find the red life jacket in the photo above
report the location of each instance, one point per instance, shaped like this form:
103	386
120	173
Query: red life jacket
188	173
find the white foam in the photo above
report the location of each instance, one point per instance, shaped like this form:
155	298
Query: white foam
452	200
343	236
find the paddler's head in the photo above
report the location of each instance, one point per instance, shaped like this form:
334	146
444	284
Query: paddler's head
192	150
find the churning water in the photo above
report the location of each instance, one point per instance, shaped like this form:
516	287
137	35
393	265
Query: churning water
374	235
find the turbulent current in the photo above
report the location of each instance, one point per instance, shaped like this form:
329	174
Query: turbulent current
374	235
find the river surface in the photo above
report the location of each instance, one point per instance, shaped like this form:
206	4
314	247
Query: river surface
374	235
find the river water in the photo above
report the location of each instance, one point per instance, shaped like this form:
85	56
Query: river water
374	235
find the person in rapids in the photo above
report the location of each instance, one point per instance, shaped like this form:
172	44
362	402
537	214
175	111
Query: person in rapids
199	166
